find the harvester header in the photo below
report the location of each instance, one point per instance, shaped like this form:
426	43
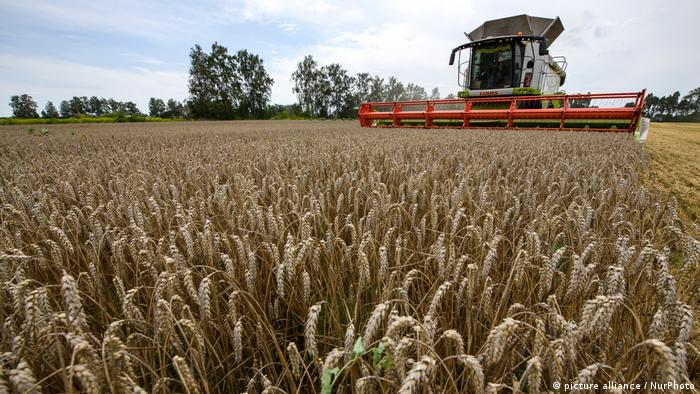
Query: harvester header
508	79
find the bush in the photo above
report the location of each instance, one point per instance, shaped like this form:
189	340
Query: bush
284	115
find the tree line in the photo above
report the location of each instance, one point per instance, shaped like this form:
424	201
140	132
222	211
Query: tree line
24	106
331	92
674	107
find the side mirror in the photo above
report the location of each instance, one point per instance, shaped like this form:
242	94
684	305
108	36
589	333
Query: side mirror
543	48
452	58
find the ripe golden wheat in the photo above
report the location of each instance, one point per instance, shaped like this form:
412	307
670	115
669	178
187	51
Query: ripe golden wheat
274	257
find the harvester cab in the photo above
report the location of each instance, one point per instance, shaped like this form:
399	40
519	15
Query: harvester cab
510	57
509	80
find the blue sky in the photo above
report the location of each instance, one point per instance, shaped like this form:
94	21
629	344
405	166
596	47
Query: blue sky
133	50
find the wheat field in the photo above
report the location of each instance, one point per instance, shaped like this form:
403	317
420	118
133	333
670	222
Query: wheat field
318	257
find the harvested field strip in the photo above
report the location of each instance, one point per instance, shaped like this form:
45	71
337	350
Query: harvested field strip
674	149
296	256
675	160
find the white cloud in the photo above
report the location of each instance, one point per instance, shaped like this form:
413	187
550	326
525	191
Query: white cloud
289	27
140	58
316	12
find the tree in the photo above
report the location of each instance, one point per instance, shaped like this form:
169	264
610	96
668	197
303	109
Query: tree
305	84
376	90
413	92
76	106
340	90
322	92
225	86
49	111
96	106
156	107
131	109
175	109
112	106
394	90
580	103
256	85
693	100
683	108
23	106
66	109
214	86
363	87
672	104
435	94
650	105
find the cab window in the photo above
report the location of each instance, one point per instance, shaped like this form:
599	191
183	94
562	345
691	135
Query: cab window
492	67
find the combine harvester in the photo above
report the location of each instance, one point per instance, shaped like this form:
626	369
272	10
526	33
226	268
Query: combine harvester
510	80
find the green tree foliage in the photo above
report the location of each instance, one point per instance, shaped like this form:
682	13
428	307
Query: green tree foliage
435	94
306	85
156	107
214	85
341	95
225	86
256	85
326	92
414	92
76	106
393	90
376	90
96	106
331	92
65	109
49	111
112	106
131	109
674	107
363	87
23	106
580	103
322	97
174	109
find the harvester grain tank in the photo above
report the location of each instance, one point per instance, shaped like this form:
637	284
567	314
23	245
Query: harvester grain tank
508	79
